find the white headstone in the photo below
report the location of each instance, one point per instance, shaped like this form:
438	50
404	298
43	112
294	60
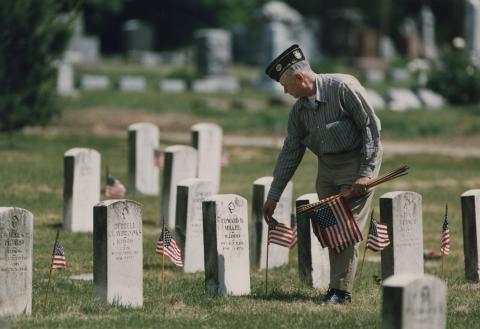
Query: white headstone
191	193
375	99
225	227
172	85
16	245
402	212
132	83
94	82
430	99
278	255
207	139
471	234
313	260
472	26
180	164
428	33
65	84
143	174
414	301
81	189
402	99
225	84
118	252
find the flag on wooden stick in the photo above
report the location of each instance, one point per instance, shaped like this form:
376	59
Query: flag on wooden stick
377	238
58	257
167	246
445	243
281	234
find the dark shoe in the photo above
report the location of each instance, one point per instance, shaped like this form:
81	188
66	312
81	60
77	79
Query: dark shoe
335	297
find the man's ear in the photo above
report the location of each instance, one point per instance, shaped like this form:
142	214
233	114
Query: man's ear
299	76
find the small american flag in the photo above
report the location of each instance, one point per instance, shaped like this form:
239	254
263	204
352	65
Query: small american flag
281	234
445	244
58	259
377	236
334	225
114	188
167	246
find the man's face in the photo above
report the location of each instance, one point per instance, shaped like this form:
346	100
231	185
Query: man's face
293	84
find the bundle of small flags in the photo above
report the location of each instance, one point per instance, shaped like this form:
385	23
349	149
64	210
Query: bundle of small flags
114	188
445	242
334	225
377	236
58	257
167	246
281	234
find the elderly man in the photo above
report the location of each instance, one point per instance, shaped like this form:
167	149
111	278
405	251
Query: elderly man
333	118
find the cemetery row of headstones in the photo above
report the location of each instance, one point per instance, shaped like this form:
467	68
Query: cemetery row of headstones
82	171
410	298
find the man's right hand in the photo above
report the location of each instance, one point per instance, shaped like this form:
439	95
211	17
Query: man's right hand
268	209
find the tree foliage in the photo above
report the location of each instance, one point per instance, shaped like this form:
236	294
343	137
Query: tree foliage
31	38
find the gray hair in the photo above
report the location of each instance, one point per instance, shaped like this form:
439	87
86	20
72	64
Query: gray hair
301	66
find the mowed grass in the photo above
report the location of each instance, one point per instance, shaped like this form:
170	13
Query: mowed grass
31	176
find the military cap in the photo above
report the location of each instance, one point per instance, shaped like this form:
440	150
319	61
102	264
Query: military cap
286	59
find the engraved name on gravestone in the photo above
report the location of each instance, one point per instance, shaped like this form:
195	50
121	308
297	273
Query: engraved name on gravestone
16	244
471	234
313	260
180	164
278	255
118	252
225	236
143	140
81	189
402	212
189	221
414	301
207	139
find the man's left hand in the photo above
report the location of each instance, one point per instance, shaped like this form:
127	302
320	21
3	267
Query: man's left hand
359	186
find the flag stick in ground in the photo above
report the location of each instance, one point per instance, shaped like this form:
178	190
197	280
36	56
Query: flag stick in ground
50	274
365	251
163	257
443	254
266	266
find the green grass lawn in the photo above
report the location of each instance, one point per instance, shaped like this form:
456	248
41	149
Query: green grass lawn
31	176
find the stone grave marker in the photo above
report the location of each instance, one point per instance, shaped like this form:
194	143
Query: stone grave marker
132	83
225	232
81	189
16	245
94	82
428	33
430	99
402	212
278	255
65	85
414	301
375	99
172	85
118	252
143	175
180	164
471	234
207	139
191	193
400	100
313	260
472	27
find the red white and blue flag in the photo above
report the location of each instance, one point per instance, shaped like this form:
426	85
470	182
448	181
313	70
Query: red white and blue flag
58	258
281	234
167	246
377	236
334	225
445	244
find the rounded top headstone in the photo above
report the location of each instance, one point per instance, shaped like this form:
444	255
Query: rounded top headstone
179	148
205	126
263	180
471	192
193	181
395	194
79	150
142	125
107	203
280	11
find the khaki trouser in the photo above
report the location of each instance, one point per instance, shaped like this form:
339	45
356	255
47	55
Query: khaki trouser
336	173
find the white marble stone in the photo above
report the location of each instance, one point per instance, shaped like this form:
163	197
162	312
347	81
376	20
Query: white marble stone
16	247
402	212
430	99
191	193
401	100
377	101
81	188
172	85
65	85
207	139
414	301
132	83
143	174
278	255
227	266
118	252
313	260
180	164
94	82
